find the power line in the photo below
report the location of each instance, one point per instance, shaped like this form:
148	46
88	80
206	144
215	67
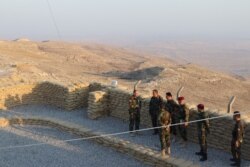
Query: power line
113	134
54	20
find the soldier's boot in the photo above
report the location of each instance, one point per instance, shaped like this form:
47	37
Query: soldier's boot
204	157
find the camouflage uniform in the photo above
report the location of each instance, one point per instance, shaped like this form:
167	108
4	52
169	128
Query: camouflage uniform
164	120
203	130
155	107
183	117
237	136
172	107
134	113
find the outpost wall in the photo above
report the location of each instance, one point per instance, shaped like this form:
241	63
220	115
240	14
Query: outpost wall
103	100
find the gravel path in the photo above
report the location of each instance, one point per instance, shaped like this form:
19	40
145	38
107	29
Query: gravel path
217	158
75	154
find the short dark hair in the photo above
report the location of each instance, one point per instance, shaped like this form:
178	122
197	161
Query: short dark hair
134	91
155	90
236	113
169	94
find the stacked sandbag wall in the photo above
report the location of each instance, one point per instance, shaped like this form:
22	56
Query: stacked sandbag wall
13	96
45	93
118	103
77	97
220	132
97	104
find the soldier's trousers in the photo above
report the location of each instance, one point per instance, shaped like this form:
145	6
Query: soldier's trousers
202	136
154	119
183	132
236	151
164	139
134	121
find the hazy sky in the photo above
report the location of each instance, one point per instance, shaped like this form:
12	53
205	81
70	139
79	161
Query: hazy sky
125	19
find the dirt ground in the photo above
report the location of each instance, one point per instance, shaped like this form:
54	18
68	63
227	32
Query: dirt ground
23	61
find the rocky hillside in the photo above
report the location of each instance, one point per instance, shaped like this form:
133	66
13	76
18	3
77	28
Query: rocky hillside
24	61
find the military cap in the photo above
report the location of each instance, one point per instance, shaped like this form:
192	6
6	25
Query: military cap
236	113
201	106
181	98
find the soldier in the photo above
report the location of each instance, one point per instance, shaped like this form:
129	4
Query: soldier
155	106
203	131
237	139
164	120
172	107
134	111
183	118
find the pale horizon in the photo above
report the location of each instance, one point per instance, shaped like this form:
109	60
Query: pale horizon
126	21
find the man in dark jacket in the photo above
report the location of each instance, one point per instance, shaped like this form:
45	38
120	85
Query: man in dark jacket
172	107
155	106
183	118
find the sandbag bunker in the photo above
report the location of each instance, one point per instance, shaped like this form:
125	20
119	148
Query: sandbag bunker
101	100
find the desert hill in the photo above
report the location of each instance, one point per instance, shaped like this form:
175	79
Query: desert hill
24	61
211	54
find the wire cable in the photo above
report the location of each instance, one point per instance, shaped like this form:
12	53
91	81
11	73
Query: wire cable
113	134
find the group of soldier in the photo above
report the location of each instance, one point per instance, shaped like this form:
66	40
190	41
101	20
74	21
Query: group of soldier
171	117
